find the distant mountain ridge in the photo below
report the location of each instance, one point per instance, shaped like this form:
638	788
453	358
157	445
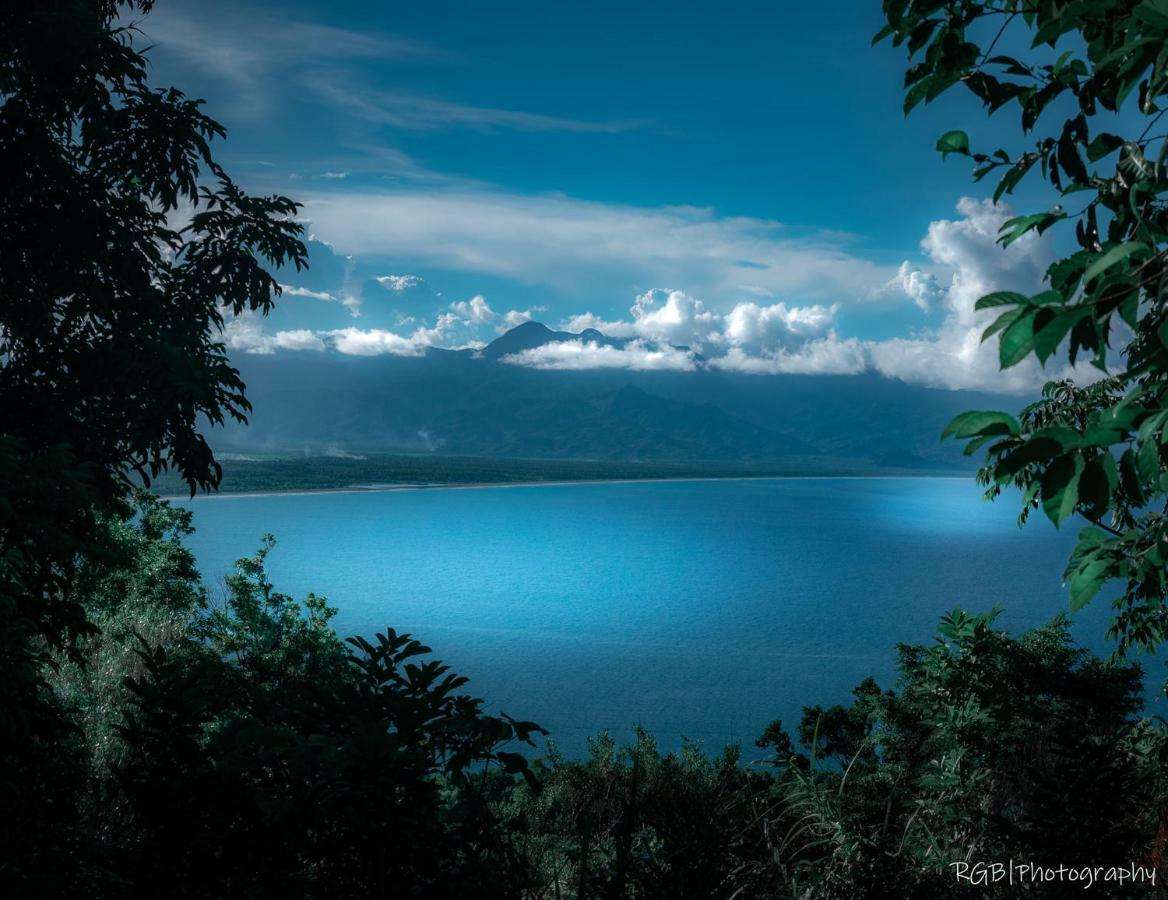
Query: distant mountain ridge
471	403
531	335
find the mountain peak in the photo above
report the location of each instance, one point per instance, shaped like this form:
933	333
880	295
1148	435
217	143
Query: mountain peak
529	327
527	336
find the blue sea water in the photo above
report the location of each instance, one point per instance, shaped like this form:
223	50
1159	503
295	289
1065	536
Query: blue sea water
700	608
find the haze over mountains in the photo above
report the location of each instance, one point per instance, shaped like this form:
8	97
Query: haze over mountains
479	403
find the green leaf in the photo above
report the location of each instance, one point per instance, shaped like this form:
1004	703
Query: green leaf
920	35
977	443
917	94
1060	488
1130	478
1013	229
1014	175
1111	257
1064	274
1102	145
974	424
1050	335
953	142
1001	298
1154	12
1066	438
1101	436
1017	341
1035	450
1147	461
1005	320
1088	578
1096	484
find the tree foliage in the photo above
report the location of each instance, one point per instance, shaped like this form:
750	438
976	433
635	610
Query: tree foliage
239	747
123	247
990	748
123	244
1094	68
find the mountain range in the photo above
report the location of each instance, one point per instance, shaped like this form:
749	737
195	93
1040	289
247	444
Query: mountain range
473	403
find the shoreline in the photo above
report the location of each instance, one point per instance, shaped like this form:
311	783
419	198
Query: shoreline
480	485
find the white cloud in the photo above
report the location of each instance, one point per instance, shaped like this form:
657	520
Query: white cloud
675	317
293	291
920	286
515	317
298	339
399	283
474	311
768	329
952	355
564	242
334	175
378	342
636	355
247	49
824	356
245	333
584	321
421	113
748	336
374	342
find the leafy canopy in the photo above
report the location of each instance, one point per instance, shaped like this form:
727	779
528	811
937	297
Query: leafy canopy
123	247
123	244
1099	452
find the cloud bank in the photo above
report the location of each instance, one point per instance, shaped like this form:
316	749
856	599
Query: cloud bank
671	329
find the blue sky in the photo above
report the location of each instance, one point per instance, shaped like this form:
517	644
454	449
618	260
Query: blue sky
737	178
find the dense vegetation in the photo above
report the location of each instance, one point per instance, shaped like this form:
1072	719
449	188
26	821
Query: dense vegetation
157	741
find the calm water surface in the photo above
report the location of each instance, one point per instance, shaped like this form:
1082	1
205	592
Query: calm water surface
703	609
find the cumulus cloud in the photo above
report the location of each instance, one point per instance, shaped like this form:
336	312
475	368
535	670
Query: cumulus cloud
675	317
953	355
920	286
586	321
781	338
825	356
378	341
515	317
399	284
474	311
671	329
768	329
246	334
668	328
375	342
297	339
636	355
